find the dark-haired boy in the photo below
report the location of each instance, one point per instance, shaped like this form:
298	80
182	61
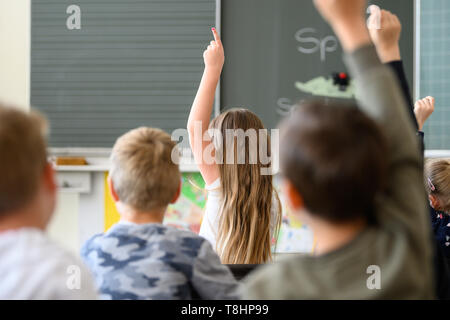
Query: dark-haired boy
372	234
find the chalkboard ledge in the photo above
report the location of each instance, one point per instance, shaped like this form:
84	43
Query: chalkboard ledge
98	160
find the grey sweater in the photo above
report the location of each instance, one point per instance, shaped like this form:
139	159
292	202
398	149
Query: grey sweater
397	251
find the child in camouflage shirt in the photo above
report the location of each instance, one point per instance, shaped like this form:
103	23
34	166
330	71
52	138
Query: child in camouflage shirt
139	258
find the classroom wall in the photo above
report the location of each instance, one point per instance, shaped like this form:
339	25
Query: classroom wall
64	226
15	35
15	52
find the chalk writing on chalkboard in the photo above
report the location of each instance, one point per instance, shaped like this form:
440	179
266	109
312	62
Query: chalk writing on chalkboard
312	44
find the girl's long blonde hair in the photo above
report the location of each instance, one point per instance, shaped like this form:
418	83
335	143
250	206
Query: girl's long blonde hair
246	215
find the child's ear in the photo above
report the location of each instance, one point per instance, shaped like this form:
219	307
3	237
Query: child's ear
50	186
434	202
177	195
50	178
294	198
112	191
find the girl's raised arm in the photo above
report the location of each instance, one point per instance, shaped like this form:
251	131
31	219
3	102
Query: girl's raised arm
202	107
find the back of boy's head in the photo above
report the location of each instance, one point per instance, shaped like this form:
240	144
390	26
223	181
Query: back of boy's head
23	157
437	181
334	156
142	170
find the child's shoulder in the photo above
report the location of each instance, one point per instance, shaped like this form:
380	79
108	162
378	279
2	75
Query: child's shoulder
180	243
141	237
289	278
33	245
186	238
90	243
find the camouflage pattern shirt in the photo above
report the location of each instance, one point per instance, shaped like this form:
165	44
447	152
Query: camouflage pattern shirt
153	261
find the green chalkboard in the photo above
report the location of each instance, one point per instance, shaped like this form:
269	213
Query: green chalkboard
281	52
127	63
434	69
139	62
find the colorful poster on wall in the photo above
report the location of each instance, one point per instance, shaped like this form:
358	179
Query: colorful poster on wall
187	213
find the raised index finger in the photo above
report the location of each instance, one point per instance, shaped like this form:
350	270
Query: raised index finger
216	36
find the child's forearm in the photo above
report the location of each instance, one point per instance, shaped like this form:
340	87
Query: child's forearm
352	34
204	101
202	107
198	124
380	97
399	71
389	54
379	100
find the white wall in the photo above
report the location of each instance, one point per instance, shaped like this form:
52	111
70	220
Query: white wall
15	40
64	227
15	22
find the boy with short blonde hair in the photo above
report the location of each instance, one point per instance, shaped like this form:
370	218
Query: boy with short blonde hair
32	267
139	258
141	161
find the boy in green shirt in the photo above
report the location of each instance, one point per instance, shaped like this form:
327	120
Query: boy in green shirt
355	176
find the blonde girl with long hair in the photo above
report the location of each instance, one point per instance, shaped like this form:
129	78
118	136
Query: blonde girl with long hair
243	211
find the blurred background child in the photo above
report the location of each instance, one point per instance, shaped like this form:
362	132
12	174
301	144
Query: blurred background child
437	182
31	265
